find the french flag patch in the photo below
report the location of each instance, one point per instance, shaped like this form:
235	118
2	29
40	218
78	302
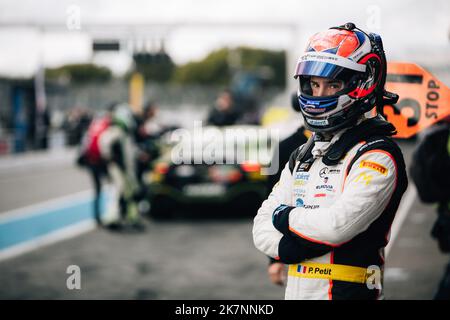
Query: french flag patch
301	269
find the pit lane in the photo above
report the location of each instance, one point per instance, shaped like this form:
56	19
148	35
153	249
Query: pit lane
208	258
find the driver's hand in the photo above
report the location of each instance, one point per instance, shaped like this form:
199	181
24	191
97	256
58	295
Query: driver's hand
277	273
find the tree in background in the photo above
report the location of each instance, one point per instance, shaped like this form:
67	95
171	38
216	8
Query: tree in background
214	69
157	67
219	67
79	73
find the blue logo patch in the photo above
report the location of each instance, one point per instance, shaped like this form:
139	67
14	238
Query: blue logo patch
299	202
302	176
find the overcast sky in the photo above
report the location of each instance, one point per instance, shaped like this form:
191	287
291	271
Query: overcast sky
412	30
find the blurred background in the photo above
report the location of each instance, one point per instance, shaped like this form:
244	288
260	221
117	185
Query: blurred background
65	63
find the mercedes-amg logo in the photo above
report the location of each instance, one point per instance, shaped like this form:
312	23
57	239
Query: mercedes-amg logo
323	172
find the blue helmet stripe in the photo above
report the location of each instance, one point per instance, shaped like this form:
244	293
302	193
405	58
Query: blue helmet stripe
361	37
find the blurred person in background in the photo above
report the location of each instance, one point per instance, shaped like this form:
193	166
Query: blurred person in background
109	148
147	133
277	270
91	158
429	171
329	215
224	112
117	146
75	125
42	130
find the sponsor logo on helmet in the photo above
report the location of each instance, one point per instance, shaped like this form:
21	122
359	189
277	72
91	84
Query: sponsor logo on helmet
312	103
315	56
319	123
312	109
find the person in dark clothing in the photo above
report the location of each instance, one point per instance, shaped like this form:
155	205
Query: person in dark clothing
285	148
224	112
89	157
146	136
431	159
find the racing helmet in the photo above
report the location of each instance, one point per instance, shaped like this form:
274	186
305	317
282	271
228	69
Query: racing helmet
348	54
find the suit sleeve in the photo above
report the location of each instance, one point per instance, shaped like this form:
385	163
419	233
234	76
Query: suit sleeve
286	248
265	237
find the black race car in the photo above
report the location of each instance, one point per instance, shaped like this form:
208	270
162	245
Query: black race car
217	171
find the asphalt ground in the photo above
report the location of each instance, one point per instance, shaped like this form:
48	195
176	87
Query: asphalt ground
204	258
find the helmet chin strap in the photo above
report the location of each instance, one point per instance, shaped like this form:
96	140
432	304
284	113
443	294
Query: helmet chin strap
322	136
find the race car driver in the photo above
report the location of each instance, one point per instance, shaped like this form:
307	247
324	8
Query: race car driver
329	215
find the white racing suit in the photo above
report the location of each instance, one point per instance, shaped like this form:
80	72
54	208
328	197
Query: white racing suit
337	217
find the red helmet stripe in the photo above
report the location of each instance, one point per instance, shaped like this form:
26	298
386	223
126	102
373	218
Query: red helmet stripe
364	59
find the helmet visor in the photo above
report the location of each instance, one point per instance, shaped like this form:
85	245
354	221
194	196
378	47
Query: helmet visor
319	69
338	80
325	65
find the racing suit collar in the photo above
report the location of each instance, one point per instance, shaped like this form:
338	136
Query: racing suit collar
322	145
